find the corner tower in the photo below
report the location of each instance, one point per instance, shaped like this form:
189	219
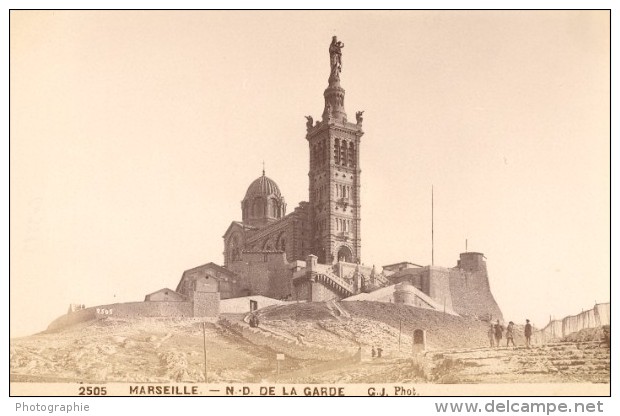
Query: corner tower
334	145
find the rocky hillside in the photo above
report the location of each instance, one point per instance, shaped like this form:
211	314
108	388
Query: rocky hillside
575	362
323	342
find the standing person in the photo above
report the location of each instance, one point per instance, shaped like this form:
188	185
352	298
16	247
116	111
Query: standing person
528	333
510	334
379	352
499	333
491	334
373	352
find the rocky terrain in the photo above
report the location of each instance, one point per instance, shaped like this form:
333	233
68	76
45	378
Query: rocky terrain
323	343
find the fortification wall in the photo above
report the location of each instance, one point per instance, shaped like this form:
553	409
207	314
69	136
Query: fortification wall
126	310
471	295
206	304
437	279
72	318
302	290
599	315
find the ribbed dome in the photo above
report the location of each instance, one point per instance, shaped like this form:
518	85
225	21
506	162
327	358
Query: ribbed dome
263	186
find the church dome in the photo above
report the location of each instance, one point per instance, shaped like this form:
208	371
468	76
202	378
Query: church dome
263	203
263	186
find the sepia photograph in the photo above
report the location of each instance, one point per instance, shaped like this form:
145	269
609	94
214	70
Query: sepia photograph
310	203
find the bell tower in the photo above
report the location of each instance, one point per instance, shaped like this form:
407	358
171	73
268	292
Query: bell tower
334	145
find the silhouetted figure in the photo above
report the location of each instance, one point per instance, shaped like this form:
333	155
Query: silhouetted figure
606	338
510	334
373	352
528	333
379	351
499	333
254	321
491	334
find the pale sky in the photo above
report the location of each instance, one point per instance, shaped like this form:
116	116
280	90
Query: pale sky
134	136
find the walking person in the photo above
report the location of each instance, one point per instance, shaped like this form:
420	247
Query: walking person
499	333
510	334
491	334
528	333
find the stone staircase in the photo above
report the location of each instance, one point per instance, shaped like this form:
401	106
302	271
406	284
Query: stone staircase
330	279
576	362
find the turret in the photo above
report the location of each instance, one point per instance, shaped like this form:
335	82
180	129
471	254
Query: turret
472	262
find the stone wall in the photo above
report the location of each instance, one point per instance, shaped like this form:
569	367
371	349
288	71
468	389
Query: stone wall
206	304
264	273
209	308
417	276
464	289
302	290
471	295
437	279
321	293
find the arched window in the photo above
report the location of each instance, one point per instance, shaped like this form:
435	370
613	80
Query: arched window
337	151
275	211
343	153
344	254
258	208
351	154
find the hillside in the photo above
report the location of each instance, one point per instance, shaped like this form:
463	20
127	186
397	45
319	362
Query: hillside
323	342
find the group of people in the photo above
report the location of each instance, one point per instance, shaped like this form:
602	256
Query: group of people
254	321
496	333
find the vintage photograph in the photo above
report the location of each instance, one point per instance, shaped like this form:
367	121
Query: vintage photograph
323	202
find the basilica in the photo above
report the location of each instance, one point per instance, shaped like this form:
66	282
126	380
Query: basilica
326	226
314	253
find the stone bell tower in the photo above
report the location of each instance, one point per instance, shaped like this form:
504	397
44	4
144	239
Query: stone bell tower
334	145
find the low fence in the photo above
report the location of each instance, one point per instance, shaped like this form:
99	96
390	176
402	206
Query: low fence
555	330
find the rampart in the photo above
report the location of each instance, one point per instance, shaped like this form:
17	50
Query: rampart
131	310
558	329
464	288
